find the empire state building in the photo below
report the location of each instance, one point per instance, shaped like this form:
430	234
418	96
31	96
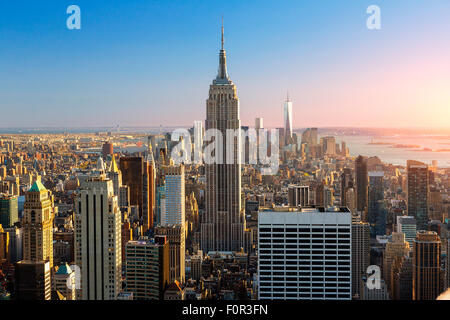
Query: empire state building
223	224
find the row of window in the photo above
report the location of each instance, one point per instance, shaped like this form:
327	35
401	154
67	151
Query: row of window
307	277
308	257
305	230
303	247
304	235
319	286
303	252
306	296
289	243
267	264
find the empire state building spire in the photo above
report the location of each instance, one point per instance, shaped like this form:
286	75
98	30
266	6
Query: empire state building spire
222	75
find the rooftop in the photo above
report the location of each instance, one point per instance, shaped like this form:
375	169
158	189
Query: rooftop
64	269
37	187
307	209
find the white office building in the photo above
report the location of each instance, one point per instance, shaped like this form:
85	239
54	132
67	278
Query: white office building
305	254
98	240
173	204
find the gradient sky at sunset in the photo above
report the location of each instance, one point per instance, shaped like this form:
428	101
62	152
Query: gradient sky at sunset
149	63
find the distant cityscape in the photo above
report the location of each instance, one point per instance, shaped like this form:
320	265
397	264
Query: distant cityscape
128	214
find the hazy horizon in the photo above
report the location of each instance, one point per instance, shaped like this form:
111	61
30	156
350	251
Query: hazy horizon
407	131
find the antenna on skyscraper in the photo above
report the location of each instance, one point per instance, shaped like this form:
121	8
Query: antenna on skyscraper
223	40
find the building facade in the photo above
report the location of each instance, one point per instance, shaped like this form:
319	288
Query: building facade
9	212
223	224
418	189
360	254
173	206
362	186
427	266
305	254
98	240
177	250
398	247
298	196
147	268
38	224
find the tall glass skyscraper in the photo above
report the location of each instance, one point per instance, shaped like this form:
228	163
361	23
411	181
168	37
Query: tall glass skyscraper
9	212
418	188
288	120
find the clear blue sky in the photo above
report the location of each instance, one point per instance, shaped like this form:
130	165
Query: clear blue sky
146	63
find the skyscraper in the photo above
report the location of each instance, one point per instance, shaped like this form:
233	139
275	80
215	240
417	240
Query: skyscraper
305	254
177	250
360	254
132	169
173	218
38	224
362	186
15	244
147	268
376	193
418	188
149	191
376	215
346	182
298	196
408	226
223	224
397	248
329	145
4	245
427	266
350	201
173	207
328	197
137	173
33	279
402	278
98	240
288	120
8	210
259	124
